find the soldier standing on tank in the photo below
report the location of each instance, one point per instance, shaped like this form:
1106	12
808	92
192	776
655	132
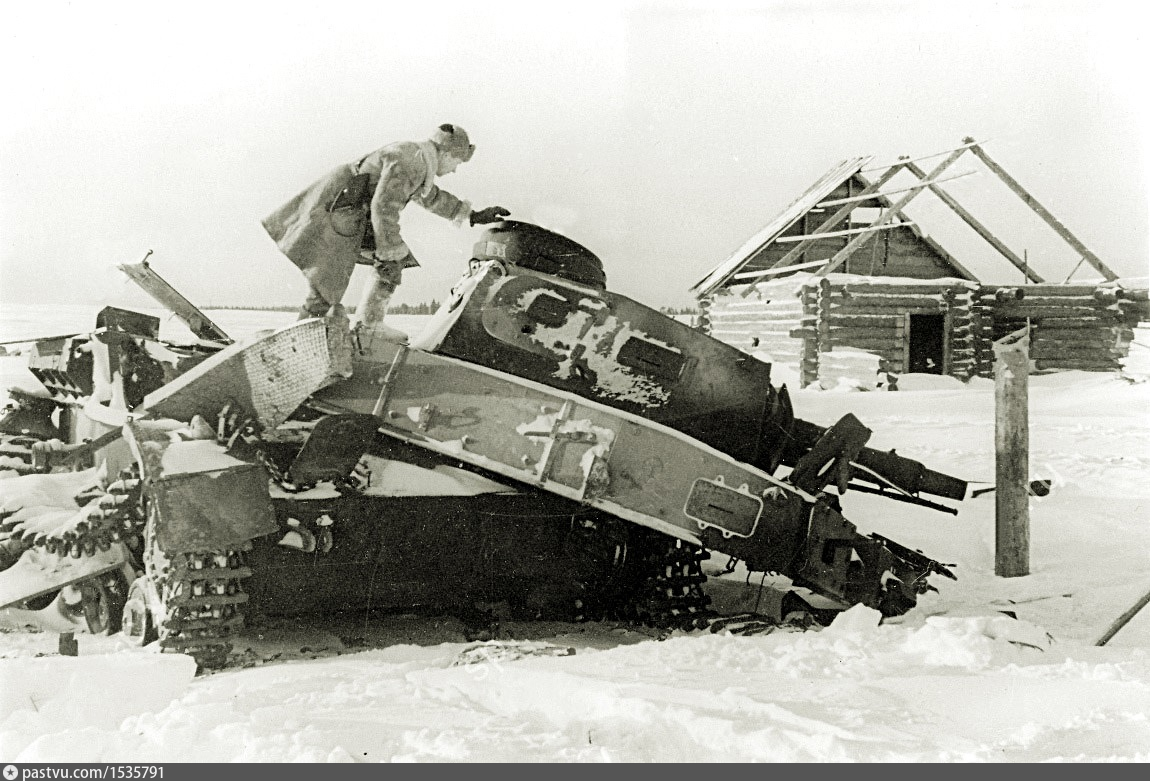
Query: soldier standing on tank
351	215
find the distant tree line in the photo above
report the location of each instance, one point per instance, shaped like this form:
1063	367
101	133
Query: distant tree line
684	310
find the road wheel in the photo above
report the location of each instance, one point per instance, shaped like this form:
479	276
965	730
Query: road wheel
102	599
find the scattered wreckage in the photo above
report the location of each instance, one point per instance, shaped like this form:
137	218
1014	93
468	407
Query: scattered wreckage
543	443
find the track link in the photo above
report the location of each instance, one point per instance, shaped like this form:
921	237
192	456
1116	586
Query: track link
672	597
16	453
203	603
108	515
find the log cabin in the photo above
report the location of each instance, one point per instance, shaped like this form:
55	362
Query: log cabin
842	286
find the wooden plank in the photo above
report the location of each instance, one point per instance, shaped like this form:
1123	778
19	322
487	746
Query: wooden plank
1100	321
1042	212
794	307
760	304
753	327
946	337
942	288
1059	290
1087	301
891	321
882	344
835	234
891	302
750	320
978	227
846	335
1096	355
1089	366
842	255
1098	347
854	310
1075	335
1042	312
1078	358
903	160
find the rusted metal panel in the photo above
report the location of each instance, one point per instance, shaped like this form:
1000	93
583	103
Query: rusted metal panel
210	511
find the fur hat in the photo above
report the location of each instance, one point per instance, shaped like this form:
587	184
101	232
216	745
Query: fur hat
453	140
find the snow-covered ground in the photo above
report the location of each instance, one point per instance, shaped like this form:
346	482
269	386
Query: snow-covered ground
988	669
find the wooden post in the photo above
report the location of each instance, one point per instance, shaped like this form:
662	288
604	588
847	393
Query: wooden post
1012	455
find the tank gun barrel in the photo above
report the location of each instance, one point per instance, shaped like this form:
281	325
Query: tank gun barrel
813	448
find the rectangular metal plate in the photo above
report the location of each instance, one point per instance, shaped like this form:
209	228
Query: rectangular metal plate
210	511
715	504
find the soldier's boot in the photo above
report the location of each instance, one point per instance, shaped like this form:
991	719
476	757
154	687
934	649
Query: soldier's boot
371	311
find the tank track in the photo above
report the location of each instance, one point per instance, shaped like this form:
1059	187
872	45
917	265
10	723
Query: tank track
662	587
671	596
626	573
106	516
203	602
16	452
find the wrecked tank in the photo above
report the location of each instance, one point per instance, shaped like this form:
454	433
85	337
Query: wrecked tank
543	444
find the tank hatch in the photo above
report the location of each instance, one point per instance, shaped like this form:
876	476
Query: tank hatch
531	247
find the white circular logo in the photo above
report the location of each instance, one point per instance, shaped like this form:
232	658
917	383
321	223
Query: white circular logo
10	772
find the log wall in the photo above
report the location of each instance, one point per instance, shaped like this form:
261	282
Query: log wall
831	329
873	315
1086	327
766	321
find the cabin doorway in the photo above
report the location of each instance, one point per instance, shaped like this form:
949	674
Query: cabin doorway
926	352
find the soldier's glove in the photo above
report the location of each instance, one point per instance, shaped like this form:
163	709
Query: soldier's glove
490	214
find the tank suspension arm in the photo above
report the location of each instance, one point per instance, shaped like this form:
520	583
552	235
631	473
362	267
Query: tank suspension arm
52	454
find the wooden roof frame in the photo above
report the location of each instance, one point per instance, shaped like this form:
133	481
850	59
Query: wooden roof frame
892	209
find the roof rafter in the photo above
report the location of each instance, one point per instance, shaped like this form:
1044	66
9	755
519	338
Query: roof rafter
841	256
1041	211
978	227
826	225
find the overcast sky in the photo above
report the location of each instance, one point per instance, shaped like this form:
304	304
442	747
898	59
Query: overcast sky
661	136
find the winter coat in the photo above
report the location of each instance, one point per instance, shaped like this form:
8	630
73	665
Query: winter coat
326	247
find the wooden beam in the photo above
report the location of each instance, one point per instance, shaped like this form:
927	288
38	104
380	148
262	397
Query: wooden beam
978	227
833	234
966	144
842	255
1041	211
857	198
829	223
